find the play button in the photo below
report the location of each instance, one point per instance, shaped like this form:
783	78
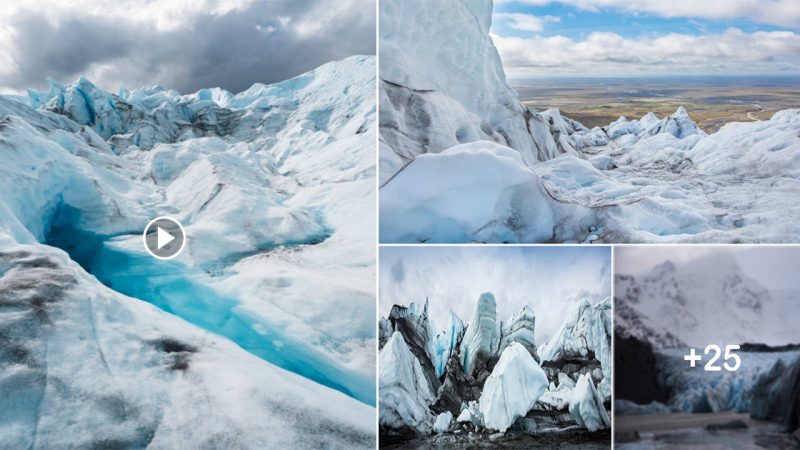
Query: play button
164	238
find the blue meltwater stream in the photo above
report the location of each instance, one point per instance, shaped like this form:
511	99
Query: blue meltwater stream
179	290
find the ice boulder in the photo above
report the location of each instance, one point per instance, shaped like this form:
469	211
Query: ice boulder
514	386
586	405
481	340
680	125
520	328
623	126
443	421
472	414
405	395
481	191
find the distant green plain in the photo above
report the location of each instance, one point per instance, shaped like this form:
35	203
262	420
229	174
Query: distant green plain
710	103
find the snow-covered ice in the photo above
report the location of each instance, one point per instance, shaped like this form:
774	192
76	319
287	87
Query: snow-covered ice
275	187
675	304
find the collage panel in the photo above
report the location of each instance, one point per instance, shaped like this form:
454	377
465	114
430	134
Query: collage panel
706	347
187	225
495	347
551	122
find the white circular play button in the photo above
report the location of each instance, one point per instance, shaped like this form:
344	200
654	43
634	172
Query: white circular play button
164	237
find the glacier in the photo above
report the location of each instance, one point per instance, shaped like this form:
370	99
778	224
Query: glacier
489	375
259	334
461	159
701	391
664	312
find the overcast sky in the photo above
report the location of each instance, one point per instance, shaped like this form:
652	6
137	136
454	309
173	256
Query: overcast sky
549	279
180	44
647	37
773	267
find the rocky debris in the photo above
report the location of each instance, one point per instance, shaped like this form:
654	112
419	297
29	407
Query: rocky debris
623	437
732	425
456	388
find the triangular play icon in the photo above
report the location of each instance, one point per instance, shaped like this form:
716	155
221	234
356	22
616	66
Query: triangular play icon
164	238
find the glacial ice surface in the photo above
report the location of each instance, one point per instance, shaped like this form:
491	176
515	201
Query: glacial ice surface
636	180
446	342
696	390
273	186
520	328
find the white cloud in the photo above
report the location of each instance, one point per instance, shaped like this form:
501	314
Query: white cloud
549	280
604	53
180	44
775	12
526	22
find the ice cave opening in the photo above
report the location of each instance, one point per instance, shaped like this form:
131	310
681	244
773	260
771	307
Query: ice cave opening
183	291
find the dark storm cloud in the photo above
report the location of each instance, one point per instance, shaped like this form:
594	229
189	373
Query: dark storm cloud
258	43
